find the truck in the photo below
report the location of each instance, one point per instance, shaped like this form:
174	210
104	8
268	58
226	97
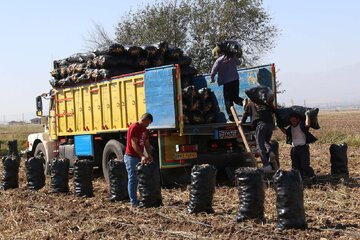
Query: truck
91	121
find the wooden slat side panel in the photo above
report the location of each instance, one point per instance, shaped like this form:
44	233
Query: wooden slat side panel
60	106
96	108
88	120
115	105
79	110
100	107
124	113
69	114
140	96
130	98
106	106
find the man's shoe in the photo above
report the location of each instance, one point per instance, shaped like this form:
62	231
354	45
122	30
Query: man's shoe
134	205
230	121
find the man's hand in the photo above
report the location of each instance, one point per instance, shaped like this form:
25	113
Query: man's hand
307	119
143	160
146	160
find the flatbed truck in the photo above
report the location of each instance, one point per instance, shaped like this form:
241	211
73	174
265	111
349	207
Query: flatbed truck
91	120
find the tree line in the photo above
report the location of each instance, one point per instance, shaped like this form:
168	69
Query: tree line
196	26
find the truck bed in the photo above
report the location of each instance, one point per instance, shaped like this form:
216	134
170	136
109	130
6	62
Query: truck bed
206	129
112	105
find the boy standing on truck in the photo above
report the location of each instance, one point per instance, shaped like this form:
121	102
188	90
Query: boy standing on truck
137	140
261	119
298	135
226	69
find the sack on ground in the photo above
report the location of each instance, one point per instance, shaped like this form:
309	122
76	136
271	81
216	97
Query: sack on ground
59	170
289	200
13	148
83	176
251	191
149	185
10	178
339	160
202	189
35	172
118	180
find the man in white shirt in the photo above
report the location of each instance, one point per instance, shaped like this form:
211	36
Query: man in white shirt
298	135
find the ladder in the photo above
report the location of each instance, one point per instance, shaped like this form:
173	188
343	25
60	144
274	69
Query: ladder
243	137
246	142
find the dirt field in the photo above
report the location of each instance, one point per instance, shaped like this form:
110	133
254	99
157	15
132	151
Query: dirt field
332	207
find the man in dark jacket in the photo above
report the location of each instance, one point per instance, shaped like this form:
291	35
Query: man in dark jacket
261	119
298	135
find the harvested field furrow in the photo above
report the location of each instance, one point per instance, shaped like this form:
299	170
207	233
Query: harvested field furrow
332	207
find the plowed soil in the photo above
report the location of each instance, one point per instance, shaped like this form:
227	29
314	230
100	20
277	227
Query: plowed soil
332	206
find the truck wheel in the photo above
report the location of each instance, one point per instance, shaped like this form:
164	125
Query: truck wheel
40	150
113	150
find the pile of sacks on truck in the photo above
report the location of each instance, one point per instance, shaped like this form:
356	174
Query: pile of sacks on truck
116	59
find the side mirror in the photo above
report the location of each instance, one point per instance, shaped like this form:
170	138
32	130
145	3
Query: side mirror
39	106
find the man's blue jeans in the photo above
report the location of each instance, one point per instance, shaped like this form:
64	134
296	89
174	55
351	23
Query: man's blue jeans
130	163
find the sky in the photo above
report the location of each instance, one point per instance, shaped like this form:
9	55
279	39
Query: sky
316	54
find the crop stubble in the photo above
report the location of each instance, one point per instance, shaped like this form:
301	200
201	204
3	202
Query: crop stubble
332	207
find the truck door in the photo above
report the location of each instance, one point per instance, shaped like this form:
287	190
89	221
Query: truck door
161	96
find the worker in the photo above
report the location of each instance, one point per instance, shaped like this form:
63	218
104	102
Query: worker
226	69
137	141
261	119
298	135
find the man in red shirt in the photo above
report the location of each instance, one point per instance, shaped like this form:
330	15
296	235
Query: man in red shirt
137	140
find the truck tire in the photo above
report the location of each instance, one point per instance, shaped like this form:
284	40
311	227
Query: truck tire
40	150
112	150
